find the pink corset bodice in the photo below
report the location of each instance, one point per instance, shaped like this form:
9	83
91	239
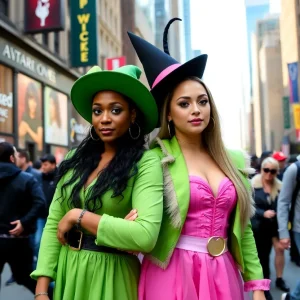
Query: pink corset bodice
209	216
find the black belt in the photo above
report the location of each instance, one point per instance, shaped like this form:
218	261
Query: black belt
77	240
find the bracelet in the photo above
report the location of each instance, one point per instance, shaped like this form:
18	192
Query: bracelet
80	217
40	294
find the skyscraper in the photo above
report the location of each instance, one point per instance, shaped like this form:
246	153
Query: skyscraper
187	29
255	10
164	11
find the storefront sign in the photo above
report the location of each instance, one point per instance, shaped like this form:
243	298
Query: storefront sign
6	100
116	62
84	37
25	62
298	135
286	113
44	15
296	111
293	80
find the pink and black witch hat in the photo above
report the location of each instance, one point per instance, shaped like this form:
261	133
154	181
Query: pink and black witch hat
163	72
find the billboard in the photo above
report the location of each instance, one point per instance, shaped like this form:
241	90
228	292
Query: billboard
44	15
6	99
56	116
293	82
84	37
30	112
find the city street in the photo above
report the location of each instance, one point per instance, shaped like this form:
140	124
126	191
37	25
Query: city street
15	292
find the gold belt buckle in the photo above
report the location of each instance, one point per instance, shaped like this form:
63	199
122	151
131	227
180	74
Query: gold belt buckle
216	246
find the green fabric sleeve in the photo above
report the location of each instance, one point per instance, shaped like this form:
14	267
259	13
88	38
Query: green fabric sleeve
50	246
252	266
147	197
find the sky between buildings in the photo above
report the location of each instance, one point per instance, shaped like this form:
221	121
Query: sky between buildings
219	29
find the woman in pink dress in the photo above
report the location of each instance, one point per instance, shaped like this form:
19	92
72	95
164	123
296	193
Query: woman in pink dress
205	249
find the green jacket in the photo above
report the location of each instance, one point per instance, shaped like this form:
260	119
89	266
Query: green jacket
176	202
144	192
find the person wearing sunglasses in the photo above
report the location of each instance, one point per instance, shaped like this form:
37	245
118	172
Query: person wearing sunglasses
264	223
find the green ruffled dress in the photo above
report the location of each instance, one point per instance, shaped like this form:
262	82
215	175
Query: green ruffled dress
90	275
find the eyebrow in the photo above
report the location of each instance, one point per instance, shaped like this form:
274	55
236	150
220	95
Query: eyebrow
188	98
111	104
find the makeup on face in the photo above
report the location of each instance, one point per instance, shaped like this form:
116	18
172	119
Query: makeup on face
111	115
190	108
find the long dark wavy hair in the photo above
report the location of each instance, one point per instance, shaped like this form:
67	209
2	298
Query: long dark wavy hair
113	177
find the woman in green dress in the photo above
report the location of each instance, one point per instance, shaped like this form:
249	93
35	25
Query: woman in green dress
88	237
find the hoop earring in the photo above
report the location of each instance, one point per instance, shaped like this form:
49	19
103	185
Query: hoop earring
91	134
214	122
139	130
169	129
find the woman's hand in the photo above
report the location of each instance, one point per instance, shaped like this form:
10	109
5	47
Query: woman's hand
269	214
132	215
259	295
66	223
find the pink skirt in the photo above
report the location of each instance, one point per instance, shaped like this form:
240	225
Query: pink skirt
192	276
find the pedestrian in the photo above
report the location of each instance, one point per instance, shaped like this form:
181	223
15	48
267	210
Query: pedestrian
86	238
263	156
289	209
21	200
254	163
264	223
281	158
23	162
200	248
37	165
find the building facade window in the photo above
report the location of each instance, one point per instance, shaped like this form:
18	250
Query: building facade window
56	42
4	7
45	39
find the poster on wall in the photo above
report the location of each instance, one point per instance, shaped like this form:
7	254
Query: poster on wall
56	116
6	100
30	112
78	128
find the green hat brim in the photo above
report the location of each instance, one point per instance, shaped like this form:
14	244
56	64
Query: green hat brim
88	85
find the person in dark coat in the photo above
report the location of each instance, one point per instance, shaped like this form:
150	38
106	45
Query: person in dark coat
49	172
23	162
264	223
21	200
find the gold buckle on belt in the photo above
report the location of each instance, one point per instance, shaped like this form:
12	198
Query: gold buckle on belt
80	236
216	246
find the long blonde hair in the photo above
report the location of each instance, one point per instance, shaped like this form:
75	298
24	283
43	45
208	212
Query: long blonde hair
212	140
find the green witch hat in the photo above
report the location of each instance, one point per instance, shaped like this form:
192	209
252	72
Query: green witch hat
124	80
